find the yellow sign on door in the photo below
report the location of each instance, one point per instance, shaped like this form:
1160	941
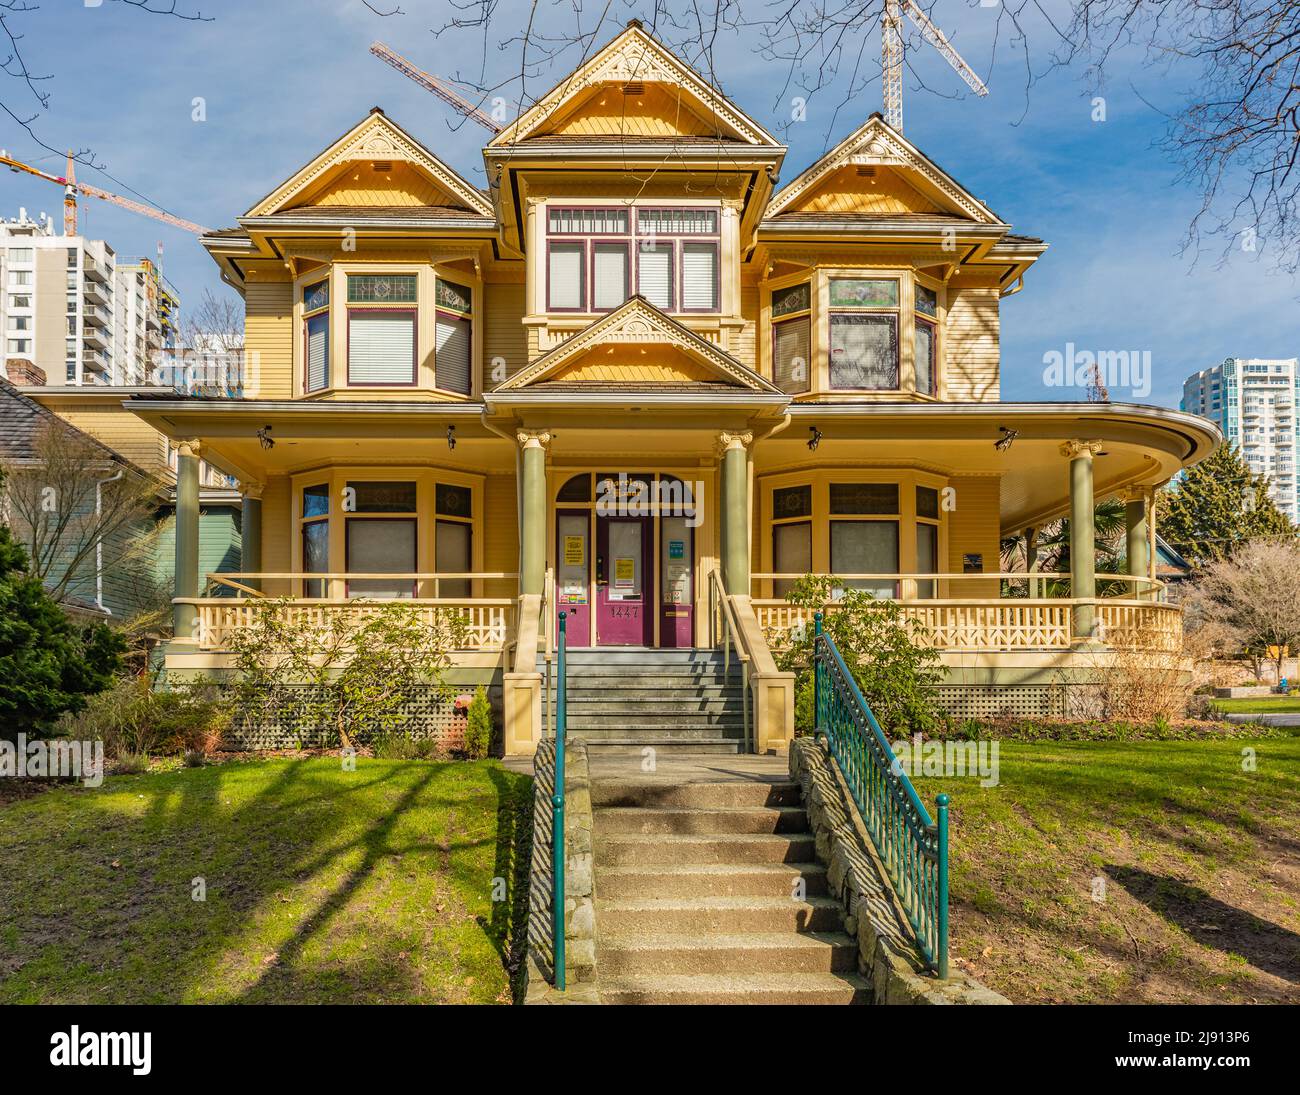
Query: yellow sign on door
575	551
624	573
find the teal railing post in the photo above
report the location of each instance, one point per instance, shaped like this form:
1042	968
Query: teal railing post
557	816
817	672
941	801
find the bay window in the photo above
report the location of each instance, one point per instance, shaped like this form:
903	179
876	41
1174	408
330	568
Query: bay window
453	337
654	276
791	535
927	537
453	537
316	336
315	534
925	338
566	283
609	274
864	534
792	337
864	334
382	323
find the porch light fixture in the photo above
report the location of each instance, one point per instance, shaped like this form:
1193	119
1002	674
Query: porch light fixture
814	438
451	437
1004	442
265	439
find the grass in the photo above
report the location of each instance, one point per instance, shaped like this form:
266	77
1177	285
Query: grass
322	885
1259	705
1196	862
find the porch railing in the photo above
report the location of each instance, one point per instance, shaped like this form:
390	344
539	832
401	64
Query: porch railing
912	847
725	632
1003	623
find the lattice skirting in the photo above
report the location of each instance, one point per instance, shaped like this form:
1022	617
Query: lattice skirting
429	715
983	701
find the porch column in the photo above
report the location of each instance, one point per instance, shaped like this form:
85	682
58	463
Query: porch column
250	547
186	572
1136	537
1083	537
532	532
735	511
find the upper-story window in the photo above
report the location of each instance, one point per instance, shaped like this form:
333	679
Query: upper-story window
316	335
382	322
792	337
597	256
864	333
926	304
453	336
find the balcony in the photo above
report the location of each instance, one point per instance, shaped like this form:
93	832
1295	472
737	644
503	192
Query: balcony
97	316
95	337
93	359
93	269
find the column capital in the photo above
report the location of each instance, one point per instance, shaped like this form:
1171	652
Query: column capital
252	489
1136	494
728	441
534	439
188	448
1071	450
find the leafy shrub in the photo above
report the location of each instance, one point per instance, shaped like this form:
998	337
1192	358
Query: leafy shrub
897	675
478	730
399	746
194	758
131	764
1042	730
133	718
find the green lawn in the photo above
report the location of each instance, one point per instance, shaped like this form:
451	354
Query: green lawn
322	885
1199	863
1258	705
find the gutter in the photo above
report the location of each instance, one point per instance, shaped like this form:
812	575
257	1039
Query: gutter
99	541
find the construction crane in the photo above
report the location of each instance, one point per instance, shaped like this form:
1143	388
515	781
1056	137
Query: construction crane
71	188
440	88
891	56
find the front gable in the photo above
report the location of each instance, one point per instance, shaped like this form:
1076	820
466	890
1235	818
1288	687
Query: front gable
876	170
375	164
636	345
634	86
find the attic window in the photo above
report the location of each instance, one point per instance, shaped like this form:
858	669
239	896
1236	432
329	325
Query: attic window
635	87
381	165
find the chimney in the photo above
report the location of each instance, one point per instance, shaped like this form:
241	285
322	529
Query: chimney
22	371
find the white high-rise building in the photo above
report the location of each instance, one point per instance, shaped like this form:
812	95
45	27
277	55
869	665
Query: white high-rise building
71	310
1254	402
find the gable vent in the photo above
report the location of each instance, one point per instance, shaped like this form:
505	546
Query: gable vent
636	87
867	172
381	165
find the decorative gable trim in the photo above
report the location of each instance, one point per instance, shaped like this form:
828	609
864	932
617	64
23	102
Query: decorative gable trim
631	57
375	137
876	144
638	322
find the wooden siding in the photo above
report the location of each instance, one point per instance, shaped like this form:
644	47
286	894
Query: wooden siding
220	544
658	111
359	184
500	534
884	193
268	339
121	431
278	532
974	528
504	336
971	364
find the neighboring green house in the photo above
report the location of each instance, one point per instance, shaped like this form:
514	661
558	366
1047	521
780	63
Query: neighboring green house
132	572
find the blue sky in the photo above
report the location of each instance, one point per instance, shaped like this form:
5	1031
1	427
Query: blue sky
281	80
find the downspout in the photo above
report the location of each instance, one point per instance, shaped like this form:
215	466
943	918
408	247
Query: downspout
99	541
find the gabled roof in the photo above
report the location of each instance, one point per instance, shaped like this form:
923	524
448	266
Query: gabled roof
637	324
22	418
375	137
635	57
876	144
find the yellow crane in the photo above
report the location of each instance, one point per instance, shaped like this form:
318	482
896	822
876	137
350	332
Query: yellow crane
71	188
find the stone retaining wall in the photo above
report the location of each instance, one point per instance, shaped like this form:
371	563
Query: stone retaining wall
887	955
579	881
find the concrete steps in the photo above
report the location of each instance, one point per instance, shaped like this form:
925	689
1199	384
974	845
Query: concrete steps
709	892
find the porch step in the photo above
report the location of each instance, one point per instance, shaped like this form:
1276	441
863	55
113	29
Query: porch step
604	656
583	722
696	820
640	792
764	952
638	849
736	988
613	747
776	880
653	915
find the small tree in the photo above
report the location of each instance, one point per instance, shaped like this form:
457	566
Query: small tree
353	669
1218	505
48	665
478	725
897	675
1253	597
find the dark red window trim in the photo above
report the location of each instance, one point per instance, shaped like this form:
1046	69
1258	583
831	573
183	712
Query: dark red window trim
575	241
717	273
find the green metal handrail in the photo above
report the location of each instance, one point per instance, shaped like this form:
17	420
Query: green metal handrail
557	815
913	848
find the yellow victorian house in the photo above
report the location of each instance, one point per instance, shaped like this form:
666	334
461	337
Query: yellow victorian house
640	381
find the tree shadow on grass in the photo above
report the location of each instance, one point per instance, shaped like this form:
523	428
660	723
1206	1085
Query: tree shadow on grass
506	927
1213	923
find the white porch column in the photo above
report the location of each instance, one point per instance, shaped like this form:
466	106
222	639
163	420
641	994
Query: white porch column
186	572
1083	536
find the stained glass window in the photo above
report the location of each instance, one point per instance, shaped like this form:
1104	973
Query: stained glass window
864	293
381	288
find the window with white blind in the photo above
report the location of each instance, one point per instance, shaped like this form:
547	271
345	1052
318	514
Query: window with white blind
792	337
381	346
699	276
654	275
609	275
565	280
316	335
453	337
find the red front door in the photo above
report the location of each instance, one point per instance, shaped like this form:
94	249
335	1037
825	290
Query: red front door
624	581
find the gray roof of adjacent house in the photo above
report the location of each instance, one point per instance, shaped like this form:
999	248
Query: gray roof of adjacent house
21	421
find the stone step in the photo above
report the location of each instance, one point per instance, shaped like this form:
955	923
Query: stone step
711	880
640	850
728	915
698	820
644	656
736	988
752	952
635	747
629	734
609	691
659	792
625	725
603	703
